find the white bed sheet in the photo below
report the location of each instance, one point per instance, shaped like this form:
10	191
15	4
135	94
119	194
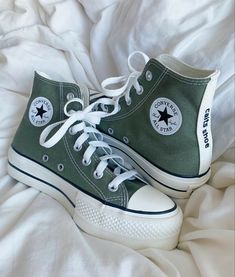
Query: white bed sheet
87	41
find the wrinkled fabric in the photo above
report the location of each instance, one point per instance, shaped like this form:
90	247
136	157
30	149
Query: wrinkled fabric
86	42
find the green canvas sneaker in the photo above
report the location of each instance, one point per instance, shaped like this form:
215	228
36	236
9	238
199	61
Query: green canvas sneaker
58	150
163	127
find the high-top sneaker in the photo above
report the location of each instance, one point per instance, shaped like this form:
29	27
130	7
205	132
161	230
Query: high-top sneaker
163	127
58	150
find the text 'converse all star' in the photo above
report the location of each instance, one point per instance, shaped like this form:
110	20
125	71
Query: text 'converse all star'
58	150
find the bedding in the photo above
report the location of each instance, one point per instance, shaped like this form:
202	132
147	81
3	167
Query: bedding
86	42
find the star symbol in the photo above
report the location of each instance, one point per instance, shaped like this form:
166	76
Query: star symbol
164	116
41	111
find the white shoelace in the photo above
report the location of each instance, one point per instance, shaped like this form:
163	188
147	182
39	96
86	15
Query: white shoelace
81	117
129	81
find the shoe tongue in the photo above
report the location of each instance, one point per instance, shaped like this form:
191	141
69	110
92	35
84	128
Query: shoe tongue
84	94
100	151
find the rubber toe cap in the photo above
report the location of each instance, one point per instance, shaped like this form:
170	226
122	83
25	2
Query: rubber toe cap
149	199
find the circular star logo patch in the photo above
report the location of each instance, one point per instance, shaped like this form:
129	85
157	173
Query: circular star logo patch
40	111
165	116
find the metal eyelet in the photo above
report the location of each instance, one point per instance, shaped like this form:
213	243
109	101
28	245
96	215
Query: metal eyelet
85	162
45	158
148	75
140	91
76	148
110	131
125	139
71	132
96	176
128	102
112	188
70	96
60	167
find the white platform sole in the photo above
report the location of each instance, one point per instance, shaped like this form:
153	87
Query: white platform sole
177	187
135	230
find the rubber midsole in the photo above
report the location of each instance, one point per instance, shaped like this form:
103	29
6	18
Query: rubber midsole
95	217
